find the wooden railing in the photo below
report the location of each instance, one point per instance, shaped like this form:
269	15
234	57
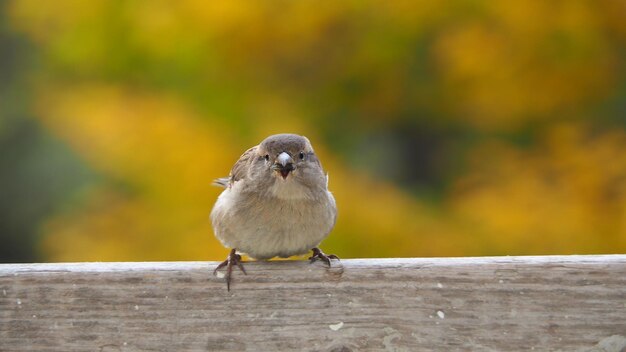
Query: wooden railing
551	303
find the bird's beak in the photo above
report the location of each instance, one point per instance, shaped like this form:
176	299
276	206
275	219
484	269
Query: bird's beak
283	164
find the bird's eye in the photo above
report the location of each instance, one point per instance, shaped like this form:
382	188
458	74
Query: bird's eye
301	156
267	157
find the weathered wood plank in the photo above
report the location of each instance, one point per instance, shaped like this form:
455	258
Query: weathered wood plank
498	303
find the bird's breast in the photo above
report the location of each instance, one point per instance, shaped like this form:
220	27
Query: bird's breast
289	189
265	227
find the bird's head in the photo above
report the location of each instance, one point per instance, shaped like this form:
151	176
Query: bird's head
289	159
287	154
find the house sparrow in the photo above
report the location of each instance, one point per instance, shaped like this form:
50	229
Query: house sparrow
276	203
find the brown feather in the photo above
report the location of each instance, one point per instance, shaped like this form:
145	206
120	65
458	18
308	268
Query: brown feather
238	171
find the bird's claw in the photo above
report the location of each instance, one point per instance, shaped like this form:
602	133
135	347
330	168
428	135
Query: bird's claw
232	259
318	254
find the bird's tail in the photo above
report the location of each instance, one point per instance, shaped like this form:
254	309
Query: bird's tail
221	182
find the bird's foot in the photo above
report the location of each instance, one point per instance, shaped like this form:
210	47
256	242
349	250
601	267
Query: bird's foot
318	254
232	259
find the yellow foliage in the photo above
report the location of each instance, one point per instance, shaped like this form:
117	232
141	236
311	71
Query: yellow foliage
529	59
161	97
568	194
164	156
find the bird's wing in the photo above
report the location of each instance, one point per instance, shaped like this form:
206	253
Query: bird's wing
238	171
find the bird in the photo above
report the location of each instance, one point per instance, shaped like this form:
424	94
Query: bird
276	203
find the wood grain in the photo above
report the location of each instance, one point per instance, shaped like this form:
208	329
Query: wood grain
552	303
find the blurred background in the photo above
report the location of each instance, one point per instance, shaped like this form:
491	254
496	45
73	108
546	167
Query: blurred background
448	128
